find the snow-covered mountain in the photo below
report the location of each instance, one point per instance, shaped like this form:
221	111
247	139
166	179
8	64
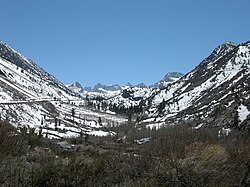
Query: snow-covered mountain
114	89
29	96
76	87
125	96
98	89
215	94
105	89
168	78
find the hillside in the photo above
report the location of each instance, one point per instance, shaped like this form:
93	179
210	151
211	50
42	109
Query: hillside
214	94
31	97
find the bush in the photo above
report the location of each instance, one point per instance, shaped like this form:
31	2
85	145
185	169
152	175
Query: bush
179	156
11	144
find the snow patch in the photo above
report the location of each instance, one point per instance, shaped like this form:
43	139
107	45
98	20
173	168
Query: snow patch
198	126
155	126
224	132
243	113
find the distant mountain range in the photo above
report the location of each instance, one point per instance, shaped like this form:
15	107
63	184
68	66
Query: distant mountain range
100	88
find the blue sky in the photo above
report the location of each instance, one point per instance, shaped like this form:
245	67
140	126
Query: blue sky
120	41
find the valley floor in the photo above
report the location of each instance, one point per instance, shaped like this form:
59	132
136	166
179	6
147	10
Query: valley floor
173	156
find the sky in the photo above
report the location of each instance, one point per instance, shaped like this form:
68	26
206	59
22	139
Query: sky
121	41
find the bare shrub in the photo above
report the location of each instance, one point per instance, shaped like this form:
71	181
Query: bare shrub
10	142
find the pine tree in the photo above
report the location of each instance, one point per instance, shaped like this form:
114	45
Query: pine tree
73	112
100	121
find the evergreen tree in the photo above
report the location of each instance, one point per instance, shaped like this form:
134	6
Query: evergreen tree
73	112
100	121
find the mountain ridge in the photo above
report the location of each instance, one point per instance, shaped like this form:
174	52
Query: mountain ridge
101	88
214	94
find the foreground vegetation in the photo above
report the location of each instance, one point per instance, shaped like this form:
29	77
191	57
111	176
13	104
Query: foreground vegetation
175	156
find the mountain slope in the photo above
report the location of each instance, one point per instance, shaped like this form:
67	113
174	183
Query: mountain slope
210	95
31	97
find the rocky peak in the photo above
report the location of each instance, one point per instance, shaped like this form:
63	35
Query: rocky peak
168	78
103	88
220	51
76	87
